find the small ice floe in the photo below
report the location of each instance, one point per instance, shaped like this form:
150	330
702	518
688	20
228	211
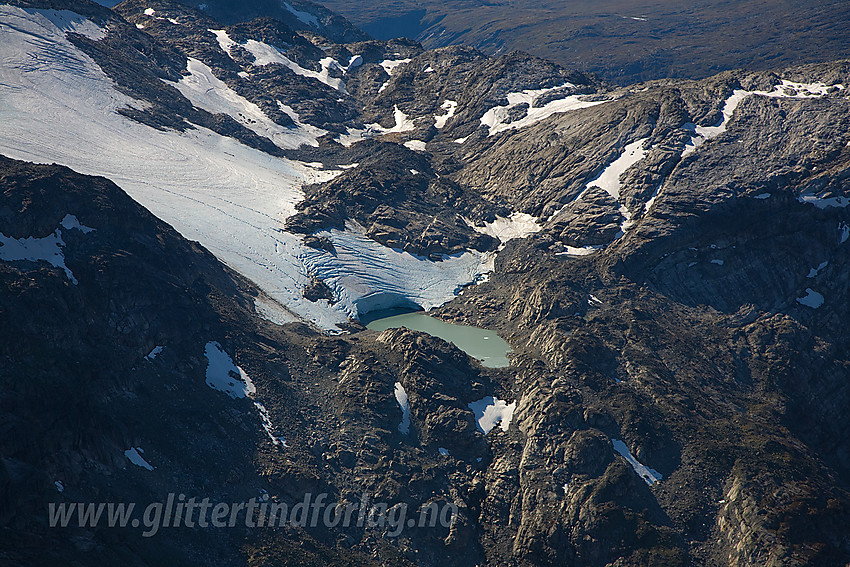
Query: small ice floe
154	353
59	486
813	272
650	476
812	299
223	375
401	398
490	412
443	452
134	454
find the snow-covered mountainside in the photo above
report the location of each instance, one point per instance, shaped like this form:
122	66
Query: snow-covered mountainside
196	209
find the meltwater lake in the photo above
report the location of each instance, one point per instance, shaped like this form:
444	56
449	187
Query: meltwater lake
482	344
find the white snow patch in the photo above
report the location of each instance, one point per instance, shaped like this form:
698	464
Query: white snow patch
223	375
650	476
718	262
70	222
444	452
154	353
461	140
414	172
224	41
59	486
149	12
450	106
762	196
490	412
813	273
580	251
267	425
208	92
305	17
824	202
518	225
390	64
786	89
354	62
401	398
429	69
134	454
812	299
845	231
47	249
496	118
71	22
415	145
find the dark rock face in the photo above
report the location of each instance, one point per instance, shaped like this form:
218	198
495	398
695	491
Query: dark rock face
682	339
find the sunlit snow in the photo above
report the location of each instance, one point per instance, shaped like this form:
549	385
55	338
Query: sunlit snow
496	119
401	398
490	412
650	476
223	375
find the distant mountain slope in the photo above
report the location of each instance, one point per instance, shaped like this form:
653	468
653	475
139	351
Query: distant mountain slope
622	41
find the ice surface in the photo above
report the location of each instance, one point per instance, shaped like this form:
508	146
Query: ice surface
70	222
650	476
401	398
786	89
366	276
223	375
135	457
812	299
490	412
844	229
443	452
71	22
265	54
271	310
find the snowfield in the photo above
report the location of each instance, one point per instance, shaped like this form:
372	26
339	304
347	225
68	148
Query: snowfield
57	106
